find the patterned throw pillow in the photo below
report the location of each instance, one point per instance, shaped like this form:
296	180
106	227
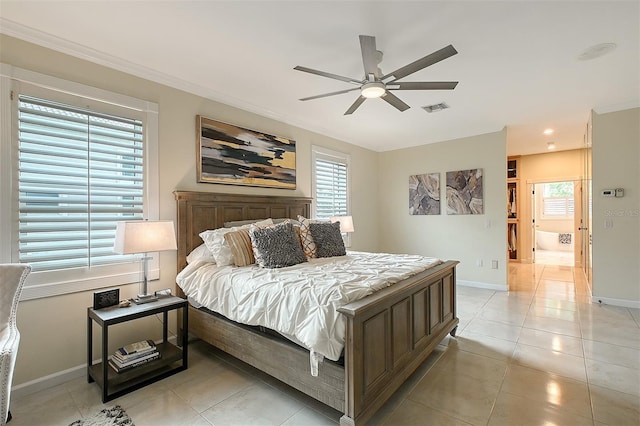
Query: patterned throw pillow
308	246
240	244
328	239
277	246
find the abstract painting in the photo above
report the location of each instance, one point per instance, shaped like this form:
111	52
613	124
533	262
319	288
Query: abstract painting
424	194
464	192
233	155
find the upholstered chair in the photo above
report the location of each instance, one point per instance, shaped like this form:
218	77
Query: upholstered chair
12	277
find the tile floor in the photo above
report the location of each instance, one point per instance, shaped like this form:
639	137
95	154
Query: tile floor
540	354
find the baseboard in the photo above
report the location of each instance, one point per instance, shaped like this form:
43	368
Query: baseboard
58	378
625	303
49	381
488	286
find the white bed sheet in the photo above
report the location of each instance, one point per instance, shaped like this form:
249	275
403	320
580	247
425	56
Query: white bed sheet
299	301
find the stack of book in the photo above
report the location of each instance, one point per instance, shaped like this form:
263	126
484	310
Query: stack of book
134	355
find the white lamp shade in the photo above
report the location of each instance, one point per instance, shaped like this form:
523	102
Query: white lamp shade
144	236
346	223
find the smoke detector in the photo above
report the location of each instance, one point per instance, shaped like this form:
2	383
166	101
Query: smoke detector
435	107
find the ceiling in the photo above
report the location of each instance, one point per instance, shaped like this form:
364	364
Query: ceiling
517	64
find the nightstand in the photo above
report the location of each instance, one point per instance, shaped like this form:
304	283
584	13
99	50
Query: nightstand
173	359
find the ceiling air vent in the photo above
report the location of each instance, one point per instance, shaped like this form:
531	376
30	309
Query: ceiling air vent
435	107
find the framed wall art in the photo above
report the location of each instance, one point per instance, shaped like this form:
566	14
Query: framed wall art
424	194
233	155
465	192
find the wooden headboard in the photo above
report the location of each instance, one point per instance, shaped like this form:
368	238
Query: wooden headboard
199	211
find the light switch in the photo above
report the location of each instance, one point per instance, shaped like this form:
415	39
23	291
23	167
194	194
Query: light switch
608	223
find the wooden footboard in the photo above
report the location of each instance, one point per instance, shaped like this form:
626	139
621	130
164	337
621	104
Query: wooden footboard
389	333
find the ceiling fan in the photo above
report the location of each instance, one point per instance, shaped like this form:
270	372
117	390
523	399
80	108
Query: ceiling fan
377	85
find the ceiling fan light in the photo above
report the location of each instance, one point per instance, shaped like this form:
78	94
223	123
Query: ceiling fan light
373	90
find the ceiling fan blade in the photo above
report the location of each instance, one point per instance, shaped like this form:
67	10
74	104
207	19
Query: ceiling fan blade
328	75
355	105
370	56
423	85
415	66
395	101
329	94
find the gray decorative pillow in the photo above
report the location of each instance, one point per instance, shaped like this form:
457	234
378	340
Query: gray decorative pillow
328	239
277	246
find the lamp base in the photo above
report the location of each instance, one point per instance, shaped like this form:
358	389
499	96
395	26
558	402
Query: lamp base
144	298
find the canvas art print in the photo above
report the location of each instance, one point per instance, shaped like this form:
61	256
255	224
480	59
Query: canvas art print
233	155
424	194
464	192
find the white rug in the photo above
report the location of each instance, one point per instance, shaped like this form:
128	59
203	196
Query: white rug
110	416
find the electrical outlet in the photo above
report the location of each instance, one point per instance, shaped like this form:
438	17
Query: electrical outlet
494	264
479	263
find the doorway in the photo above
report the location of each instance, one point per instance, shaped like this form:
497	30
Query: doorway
555	212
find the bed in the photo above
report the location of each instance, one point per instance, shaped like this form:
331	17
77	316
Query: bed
388	333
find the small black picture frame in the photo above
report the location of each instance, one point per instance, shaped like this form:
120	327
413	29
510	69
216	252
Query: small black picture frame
106	298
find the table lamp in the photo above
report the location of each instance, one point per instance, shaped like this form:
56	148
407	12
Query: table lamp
144	236
346	223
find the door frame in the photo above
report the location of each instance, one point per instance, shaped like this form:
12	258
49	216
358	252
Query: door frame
577	214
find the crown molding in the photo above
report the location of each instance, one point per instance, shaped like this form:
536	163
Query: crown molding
40	38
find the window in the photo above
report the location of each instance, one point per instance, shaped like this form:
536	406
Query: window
79	173
557	200
330	185
81	159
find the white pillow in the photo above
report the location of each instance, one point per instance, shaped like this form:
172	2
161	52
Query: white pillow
215	242
200	252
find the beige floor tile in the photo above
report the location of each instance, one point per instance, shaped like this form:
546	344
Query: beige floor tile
484	345
610	332
613	407
518	410
559	392
553	325
494	329
549	312
308	417
614	377
258	404
412	413
552	341
557	273
511	317
564	305
550	361
205	391
163	409
459	395
613	354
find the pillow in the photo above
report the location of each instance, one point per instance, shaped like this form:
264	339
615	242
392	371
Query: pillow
276	246
240	244
308	245
200	252
214	240
328	239
239	223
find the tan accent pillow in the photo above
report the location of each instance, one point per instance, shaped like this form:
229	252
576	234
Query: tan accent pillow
240	244
308	245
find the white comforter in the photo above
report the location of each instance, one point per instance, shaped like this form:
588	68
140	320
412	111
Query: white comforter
299	301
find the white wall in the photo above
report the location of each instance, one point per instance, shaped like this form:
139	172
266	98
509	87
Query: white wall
466	238
616	248
54	329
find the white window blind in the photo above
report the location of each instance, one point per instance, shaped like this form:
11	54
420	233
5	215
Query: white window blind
331	188
558	207
80	172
